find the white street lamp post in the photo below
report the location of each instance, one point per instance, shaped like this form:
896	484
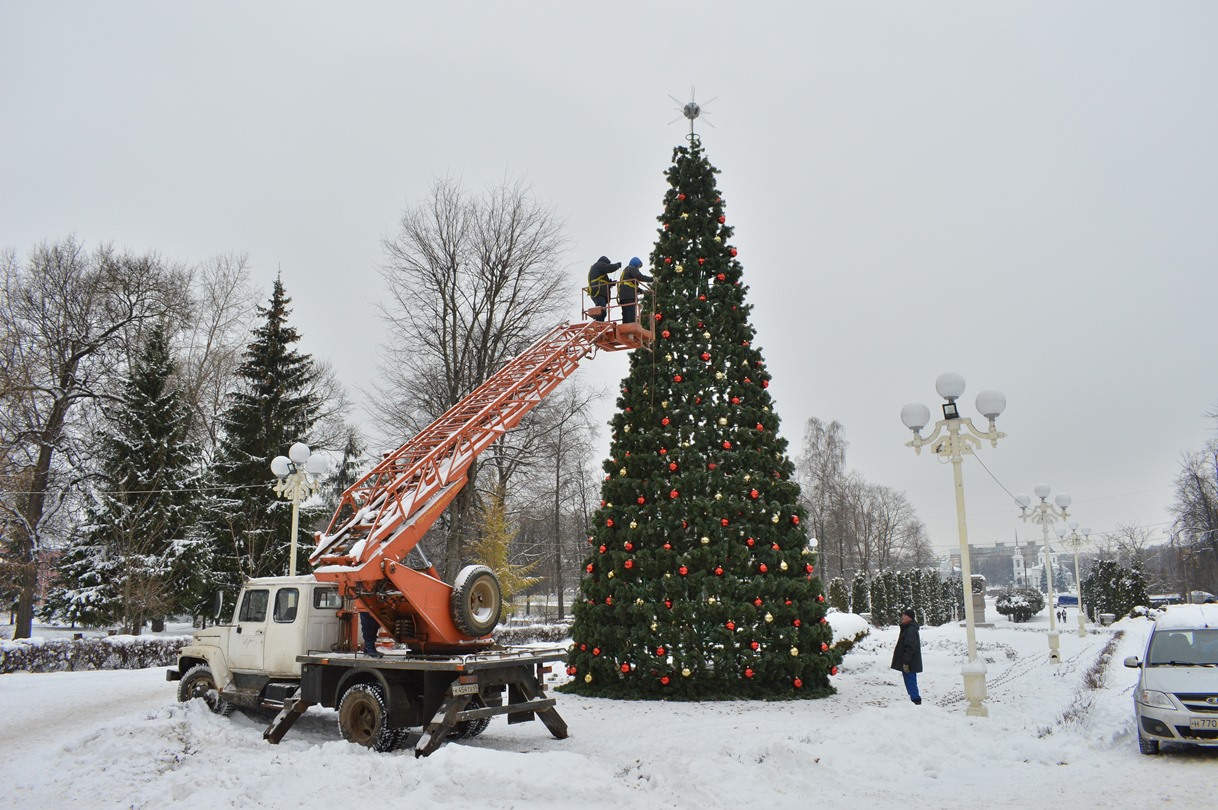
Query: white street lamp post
297	481
953	438
1045	514
1075	539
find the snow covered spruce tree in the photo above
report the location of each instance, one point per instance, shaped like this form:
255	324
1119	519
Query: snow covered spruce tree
139	558
700	583
274	406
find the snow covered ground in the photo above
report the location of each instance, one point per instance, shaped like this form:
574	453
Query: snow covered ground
120	739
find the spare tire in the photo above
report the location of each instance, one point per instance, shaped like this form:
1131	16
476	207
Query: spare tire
476	600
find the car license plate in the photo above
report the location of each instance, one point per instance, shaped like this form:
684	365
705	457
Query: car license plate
1203	723
472	689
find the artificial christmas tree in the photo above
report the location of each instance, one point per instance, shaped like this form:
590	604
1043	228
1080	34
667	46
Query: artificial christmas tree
700	582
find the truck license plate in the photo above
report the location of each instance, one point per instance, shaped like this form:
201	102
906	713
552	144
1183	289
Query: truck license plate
465	688
1203	723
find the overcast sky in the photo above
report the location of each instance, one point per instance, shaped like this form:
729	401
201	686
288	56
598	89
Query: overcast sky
1022	192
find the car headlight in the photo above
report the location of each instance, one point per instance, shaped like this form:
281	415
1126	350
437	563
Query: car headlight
1159	700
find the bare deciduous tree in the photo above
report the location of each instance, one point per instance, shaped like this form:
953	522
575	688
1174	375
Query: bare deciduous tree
472	281
65	320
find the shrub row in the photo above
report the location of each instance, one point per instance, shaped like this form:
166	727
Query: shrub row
71	655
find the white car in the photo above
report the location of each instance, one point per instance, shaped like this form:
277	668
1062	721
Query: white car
1176	700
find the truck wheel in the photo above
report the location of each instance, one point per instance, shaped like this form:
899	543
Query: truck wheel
476	600
199	682
468	729
362	716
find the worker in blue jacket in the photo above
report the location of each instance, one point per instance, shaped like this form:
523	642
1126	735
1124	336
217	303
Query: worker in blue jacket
628	288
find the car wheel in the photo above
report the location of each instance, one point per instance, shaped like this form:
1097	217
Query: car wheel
1148	747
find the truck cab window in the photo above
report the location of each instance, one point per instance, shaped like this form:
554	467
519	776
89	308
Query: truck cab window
253	606
286	601
327	599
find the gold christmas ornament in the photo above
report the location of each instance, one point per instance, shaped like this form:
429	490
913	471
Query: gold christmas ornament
783	565
718	239
718	376
774	519
794	652
638	601
610	575
769	617
723	420
664	403
588	678
748	477
634	525
706	541
668	575
710	600
718	496
622	471
706	335
654	627
668	357
685	672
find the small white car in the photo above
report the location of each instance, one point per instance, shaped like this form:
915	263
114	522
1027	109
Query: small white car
1176	699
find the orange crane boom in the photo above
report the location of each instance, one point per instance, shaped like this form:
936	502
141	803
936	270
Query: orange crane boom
384	514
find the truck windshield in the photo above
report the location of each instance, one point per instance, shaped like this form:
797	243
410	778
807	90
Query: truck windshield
1182	647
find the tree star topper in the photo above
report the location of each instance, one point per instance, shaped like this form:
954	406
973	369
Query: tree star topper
691	110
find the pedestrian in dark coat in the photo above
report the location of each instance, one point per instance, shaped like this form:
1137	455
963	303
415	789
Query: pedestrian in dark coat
907	657
599	284
628	288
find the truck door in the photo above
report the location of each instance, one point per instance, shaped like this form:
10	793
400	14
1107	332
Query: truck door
247	639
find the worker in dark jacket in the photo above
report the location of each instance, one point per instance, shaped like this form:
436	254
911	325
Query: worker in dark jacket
907	657
599	284
628	289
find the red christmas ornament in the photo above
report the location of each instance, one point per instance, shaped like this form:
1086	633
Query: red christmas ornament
668	604
626	668
731	625
667	546
697	400
796	622
762	568
701	297
775	546
727	445
664	680
765	383
602	549
756	645
754	494
820	597
602	504
663	451
722	219
718	570
747	380
744	343
571	670
659	317
824	647
706	356
701	261
798	683
721	276
809	568
628	546
588	568
659	650
732	252
723	521
642	500
608	600
684	525
667	260
683	570
673	494
712	465
629	409
676	378
665	226
788	601
760	426
672	466
735	400
629	564
757	601
833	670
748	672
665	333
750	542
609	523
596	650
680	196
795	519
664	421
583	647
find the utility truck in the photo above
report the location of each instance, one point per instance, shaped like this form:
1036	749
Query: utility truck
294	642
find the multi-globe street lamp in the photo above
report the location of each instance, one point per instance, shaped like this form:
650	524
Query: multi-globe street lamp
1046	515
1075	538
953	438
297	473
